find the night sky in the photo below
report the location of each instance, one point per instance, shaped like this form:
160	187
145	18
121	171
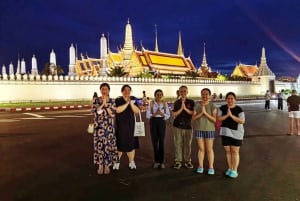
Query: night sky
233	31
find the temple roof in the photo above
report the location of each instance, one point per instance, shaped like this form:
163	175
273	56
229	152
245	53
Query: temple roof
164	62
244	70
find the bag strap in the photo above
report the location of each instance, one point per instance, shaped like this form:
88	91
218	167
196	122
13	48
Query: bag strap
139	115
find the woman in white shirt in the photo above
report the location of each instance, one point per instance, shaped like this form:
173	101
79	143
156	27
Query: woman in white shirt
158	111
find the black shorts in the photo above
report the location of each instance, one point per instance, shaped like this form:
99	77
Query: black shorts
229	141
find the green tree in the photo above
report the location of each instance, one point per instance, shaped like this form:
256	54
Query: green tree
191	74
117	71
221	77
146	74
57	69
239	78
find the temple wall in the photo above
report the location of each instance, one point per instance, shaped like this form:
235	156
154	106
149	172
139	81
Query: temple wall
82	88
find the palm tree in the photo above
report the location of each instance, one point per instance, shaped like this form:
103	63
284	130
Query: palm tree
117	71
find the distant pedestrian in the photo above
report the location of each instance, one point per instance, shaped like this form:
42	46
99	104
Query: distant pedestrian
105	148
232	132
125	123
221	96
267	100
95	96
204	126
144	102
293	102
280	99
183	133
214	96
177	94
158	112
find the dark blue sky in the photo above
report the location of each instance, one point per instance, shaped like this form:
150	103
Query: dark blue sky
233	30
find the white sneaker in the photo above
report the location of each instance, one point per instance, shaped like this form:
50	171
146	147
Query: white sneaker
132	165
116	166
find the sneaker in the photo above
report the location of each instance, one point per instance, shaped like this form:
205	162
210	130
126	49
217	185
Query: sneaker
177	165
211	171
116	166
228	172
188	165
200	170
156	165
162	166
233	174
132	165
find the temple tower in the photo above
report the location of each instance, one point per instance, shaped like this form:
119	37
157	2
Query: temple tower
11	69
264	74
4	70
103	47
180	49
34	68
23	67
204	68
128	44
156	42
52	57
52	66
72	60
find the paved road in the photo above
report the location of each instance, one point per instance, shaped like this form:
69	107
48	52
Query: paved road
48	156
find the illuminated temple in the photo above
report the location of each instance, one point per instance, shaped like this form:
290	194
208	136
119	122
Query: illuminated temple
132	60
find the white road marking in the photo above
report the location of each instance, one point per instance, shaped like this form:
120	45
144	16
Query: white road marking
36	118
34	115
67	116
8	120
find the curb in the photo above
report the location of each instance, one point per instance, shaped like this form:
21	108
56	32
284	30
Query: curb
43	108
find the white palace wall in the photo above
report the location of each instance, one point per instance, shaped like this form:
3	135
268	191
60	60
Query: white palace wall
82	88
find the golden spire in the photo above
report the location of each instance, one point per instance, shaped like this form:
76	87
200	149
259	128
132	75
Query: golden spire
128	44
156	43
204	63
180	50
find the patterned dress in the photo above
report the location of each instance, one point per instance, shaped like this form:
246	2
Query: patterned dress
105	148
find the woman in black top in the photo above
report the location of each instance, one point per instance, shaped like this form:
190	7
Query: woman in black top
125	122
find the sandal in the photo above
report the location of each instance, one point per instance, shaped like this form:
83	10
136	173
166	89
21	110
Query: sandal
100	170
106	170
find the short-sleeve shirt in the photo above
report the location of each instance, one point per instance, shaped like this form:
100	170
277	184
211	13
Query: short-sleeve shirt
293	102
203	123
125	122
183	120
229	127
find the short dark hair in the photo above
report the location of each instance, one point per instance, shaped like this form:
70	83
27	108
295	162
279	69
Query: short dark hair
158	90
206	89
230	93
104	84
124	86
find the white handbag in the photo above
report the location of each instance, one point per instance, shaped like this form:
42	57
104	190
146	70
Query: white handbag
90	128
139	127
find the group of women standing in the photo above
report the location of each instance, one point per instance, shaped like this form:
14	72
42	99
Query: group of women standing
114	128
232	118
115	120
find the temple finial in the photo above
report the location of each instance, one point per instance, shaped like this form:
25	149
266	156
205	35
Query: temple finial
156	42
